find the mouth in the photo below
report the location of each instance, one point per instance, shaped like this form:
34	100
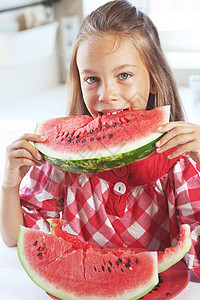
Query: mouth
109	112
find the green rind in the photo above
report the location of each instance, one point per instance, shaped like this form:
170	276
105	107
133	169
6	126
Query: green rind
172	255
106	163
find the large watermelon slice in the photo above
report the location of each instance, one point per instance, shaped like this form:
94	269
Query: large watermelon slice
83	271
83	144
166	258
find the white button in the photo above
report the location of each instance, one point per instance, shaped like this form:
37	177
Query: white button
119	188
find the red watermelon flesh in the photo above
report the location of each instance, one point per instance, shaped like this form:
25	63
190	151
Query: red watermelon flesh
166	258
86	272
62	132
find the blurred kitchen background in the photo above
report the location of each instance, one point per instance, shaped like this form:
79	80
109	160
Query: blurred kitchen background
35	47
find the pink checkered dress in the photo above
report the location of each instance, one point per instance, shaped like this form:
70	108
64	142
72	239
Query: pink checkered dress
139	205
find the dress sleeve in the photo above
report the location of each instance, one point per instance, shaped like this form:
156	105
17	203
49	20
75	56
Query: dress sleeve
41	195
187	190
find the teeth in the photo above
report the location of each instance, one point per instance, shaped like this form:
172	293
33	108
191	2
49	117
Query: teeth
114	113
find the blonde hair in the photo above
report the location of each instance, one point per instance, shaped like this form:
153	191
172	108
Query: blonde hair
120	18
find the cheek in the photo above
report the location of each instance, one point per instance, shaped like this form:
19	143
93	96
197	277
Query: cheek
90	102
141	96
137	99
138	103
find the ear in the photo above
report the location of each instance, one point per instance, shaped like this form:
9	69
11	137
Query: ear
153	89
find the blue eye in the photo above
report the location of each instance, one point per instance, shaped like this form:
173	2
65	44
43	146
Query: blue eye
92	79
124	76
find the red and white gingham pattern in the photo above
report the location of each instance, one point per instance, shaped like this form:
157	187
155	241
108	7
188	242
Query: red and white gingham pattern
159	195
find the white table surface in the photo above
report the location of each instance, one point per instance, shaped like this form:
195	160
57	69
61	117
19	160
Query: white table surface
16	285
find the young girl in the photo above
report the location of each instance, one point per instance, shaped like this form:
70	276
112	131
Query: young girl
117	64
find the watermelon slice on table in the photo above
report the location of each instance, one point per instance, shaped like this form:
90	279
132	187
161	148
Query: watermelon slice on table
171	283
85	271
166	258
83	144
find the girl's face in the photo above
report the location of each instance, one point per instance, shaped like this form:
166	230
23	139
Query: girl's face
113	76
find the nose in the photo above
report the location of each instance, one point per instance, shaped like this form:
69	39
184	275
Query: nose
107	92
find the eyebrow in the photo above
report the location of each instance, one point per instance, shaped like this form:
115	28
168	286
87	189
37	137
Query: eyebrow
124	66
114	70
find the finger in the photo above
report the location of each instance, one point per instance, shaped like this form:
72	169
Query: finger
181	150
180	135
20	162
177	141
23	153
25	147
32	137
168	126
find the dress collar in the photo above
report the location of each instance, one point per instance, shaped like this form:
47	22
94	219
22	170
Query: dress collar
142	171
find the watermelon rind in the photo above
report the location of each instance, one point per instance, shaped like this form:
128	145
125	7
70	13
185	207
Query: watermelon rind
54	290
174	254
94	165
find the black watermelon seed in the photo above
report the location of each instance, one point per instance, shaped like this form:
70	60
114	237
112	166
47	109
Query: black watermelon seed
167	294
40	249
77	136
109	269
114	124
110	263
35	243
103	268
39	254
158	285
136	260
83	141
66	135
73	134
91	131
103	136
117	263
69	140
57	136
127	121
110	135
127	265
95	268
100	127
62	139
120	261
107	126
155	289
122	270
150	292
98	138
78	141
92	139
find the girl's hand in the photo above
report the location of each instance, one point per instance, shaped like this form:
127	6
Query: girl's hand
20	156
184	136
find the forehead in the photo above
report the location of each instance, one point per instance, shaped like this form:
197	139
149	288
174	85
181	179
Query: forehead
110	46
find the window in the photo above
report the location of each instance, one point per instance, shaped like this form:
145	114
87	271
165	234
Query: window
179	15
